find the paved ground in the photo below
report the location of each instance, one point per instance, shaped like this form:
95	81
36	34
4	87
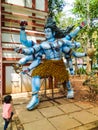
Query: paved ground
63	114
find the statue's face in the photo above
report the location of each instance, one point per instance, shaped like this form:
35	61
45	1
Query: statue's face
48	33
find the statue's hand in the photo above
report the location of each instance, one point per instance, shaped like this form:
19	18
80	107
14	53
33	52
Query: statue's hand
82	24
77	44
18	50
23	24
26	71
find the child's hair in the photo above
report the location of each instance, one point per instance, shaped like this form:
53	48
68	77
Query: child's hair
7	99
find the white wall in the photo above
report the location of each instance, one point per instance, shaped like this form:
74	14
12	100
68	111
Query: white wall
17	2
40	4
23	82
16	83
21	2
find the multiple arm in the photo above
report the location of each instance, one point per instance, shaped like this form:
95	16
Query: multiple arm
23	36
65	43
30	51
67	50
24	40
76	31
34	64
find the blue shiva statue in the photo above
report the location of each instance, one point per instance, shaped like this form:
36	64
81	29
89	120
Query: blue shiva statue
53	48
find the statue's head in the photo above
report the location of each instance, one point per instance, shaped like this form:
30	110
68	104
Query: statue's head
59	33
50	23
50	28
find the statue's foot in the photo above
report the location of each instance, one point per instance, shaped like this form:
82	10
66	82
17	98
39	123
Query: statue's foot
33	103
70	94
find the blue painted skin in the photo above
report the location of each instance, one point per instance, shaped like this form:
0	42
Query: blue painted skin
65	49
52	50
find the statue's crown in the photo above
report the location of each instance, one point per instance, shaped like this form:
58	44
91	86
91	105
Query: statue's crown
50	22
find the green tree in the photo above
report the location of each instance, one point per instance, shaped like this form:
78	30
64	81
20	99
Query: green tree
80	8
56	11
55	6
87	10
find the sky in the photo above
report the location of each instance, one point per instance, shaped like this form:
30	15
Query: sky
68	7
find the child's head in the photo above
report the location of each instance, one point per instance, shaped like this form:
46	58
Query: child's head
8	99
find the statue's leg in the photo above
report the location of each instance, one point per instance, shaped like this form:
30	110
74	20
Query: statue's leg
35	89
70	93
70	65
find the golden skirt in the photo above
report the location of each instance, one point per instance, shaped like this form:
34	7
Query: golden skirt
52	68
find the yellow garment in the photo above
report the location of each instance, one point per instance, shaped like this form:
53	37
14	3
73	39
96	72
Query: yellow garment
52	68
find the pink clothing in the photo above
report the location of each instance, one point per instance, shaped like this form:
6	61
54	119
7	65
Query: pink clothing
7	109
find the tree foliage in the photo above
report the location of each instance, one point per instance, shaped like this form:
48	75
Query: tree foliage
80	8
55	6
88	10
56	11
